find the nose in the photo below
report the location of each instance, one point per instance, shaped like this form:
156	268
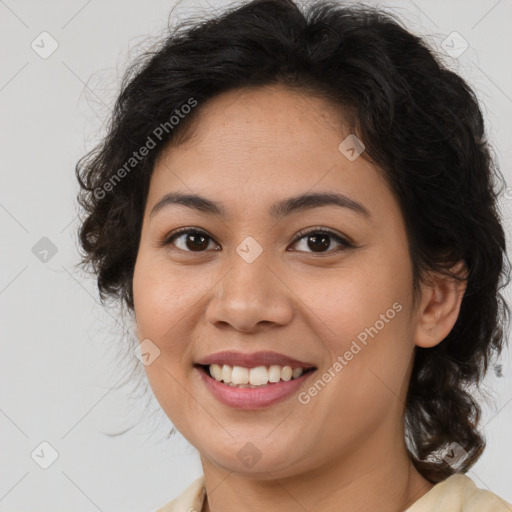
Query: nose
250	296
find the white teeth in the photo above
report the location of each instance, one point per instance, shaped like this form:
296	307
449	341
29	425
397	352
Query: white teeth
286	373
216	371
274	373
258	376
240	375
297	372
226	373
251	377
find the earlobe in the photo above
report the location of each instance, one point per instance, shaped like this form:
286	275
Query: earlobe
439	308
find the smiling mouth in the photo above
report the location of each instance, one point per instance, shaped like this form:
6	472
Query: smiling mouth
256	377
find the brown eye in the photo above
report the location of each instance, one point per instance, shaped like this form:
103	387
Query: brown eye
319	241
196	241
189	240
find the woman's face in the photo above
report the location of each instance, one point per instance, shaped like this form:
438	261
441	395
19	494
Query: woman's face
253	280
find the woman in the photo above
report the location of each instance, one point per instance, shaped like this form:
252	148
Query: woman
299	210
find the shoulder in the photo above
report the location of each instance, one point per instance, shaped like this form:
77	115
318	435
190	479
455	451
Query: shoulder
190	500
458	493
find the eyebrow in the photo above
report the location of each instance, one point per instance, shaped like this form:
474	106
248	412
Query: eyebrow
278	210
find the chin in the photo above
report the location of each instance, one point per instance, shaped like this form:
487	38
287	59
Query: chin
259	459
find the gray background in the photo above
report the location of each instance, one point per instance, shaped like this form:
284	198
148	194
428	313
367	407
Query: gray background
60	349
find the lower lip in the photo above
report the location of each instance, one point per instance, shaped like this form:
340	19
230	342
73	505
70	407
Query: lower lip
252	398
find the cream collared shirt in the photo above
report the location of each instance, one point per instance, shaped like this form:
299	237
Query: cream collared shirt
458	493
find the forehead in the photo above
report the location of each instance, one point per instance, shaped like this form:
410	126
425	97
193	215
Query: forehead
259	145
253	116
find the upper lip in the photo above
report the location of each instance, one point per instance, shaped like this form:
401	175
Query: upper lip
263	358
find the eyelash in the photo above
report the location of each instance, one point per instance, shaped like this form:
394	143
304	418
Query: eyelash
345	244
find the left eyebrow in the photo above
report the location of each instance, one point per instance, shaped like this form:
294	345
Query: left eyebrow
314	200
278	210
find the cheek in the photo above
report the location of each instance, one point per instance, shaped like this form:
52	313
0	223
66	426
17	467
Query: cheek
162	313
361	314
161	298
351	299
168	308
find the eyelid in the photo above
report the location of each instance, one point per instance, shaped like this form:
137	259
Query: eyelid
168	239
344	241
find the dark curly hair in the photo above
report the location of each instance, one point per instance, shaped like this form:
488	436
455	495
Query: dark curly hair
421	125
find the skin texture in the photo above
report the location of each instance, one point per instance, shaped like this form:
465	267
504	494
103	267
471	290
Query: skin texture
249	149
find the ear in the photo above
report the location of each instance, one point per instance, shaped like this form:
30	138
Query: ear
439	307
